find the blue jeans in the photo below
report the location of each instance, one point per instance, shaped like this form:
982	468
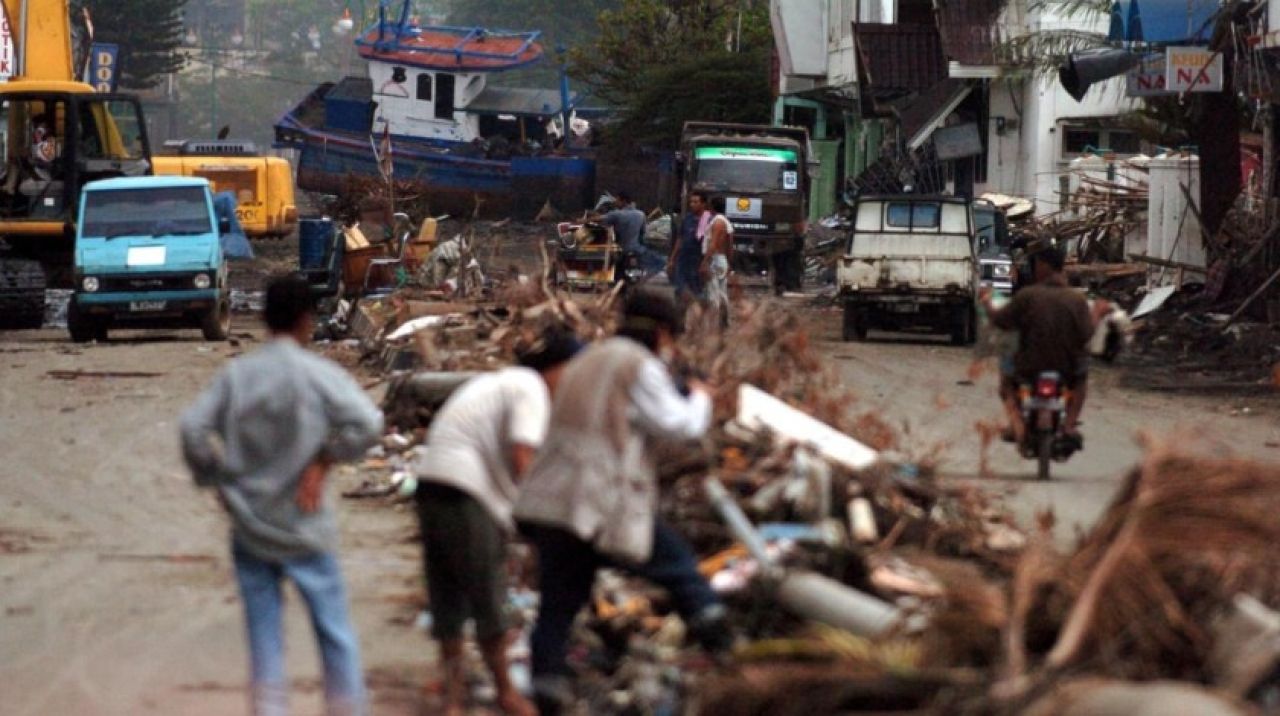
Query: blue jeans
567	568
319	581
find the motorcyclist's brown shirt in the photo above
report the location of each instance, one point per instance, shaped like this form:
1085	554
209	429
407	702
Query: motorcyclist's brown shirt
1054	327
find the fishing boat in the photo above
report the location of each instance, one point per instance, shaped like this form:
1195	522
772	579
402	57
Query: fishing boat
427	113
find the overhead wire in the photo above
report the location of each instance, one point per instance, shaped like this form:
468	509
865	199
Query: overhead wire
249	73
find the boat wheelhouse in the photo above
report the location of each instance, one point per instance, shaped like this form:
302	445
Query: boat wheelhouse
427	95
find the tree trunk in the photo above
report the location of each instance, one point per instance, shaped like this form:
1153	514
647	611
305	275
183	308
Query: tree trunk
1218	138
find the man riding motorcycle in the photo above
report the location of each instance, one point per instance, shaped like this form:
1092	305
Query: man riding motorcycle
1054	325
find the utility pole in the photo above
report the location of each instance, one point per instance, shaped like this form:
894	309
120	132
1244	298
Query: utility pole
213	97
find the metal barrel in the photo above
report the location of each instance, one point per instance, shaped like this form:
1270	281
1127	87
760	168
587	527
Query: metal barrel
315	236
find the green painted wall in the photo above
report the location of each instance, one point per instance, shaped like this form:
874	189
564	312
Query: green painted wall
827	182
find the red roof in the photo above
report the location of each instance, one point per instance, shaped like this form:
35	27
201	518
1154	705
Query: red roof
450	48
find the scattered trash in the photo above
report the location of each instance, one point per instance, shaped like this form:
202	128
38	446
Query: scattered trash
56	302
1154	300
855	577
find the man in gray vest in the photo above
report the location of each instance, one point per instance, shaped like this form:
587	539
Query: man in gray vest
590	498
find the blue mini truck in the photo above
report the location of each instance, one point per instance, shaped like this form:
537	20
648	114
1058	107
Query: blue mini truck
148	255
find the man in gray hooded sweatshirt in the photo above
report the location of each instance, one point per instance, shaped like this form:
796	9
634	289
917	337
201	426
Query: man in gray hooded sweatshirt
264	434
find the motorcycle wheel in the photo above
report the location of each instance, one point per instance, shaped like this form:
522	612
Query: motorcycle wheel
1044	454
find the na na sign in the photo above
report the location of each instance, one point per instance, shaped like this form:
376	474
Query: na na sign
1193	69
1180	69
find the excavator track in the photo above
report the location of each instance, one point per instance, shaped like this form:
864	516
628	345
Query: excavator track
22	287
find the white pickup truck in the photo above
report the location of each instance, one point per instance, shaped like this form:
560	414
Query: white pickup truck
910	264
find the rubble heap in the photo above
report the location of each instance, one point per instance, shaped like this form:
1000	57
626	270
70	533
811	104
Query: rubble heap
900	591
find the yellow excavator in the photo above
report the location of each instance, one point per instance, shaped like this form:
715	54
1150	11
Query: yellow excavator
263	185
56	135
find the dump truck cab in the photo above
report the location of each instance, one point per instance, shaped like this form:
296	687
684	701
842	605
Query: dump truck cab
762	175
148	254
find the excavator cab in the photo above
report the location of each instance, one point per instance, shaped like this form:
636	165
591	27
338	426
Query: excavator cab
53	143
56	135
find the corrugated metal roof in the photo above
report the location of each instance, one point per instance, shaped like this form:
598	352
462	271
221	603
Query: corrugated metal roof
923	110
969	30
900	58
512	100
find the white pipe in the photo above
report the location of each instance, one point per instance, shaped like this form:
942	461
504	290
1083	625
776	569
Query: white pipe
825	600
804	593
739	525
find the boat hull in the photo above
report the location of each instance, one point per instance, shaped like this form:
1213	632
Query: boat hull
516	187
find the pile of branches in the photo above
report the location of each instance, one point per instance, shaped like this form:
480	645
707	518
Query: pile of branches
1183	538
1100	214
1007	626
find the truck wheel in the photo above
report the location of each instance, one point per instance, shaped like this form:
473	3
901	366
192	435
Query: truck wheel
216	325
83	328
853	328
1044	453
788	271
795	270
962	328
22	285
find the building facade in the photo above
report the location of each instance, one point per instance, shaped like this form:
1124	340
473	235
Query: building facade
923	95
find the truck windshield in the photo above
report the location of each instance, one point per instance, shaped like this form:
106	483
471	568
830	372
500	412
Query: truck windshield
993	236
913	215
170	211
746	169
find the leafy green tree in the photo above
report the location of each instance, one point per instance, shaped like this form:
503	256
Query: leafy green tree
562	22
662	62
149	33
714	87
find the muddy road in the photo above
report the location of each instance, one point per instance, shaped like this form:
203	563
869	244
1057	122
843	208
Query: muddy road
926	387
116	594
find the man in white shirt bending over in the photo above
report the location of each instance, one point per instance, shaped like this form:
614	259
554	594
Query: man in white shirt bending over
479	446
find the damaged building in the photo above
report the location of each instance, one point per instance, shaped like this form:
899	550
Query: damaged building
933	96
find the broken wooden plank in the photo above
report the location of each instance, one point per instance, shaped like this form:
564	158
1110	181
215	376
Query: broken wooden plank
76	374
757	410
1249	301
1167	263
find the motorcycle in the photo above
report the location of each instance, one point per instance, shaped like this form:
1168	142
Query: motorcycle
589	258
1044	409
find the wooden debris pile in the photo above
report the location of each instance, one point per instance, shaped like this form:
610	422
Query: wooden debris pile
1096	219
1183	538
986	621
